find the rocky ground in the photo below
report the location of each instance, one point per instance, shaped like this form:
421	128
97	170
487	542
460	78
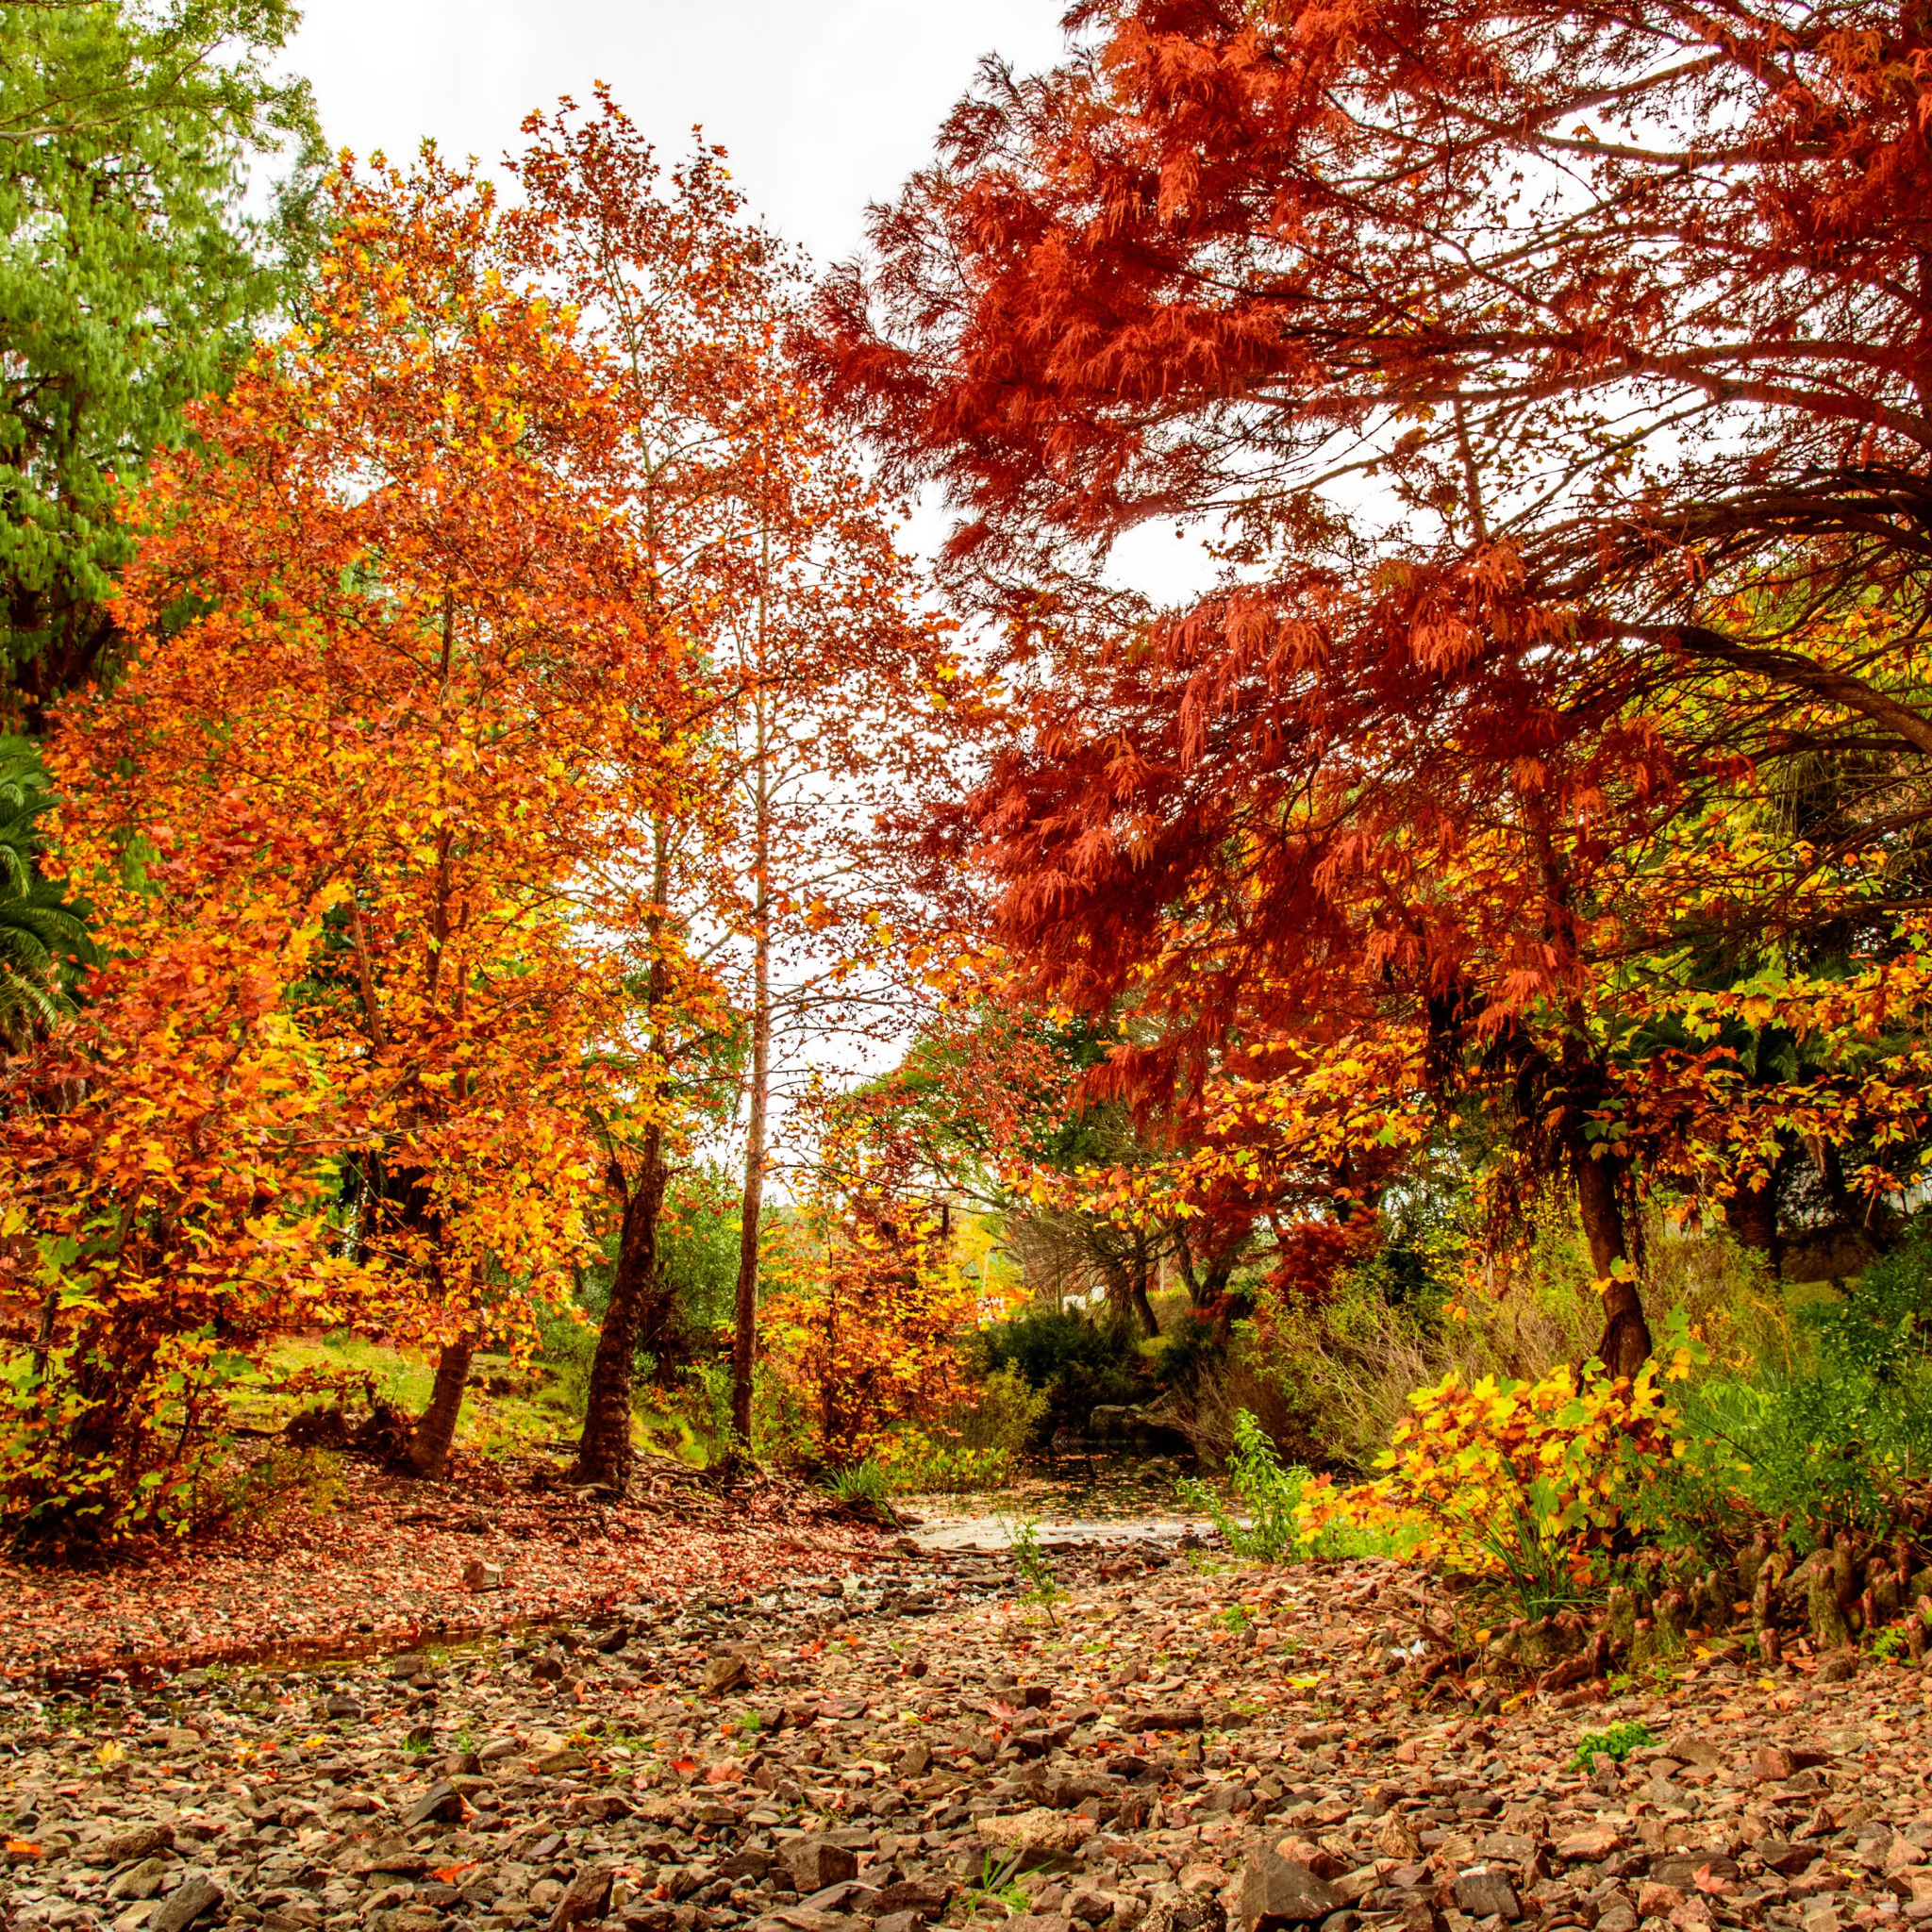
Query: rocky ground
1173	1744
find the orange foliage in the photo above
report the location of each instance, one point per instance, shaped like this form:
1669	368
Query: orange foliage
354	821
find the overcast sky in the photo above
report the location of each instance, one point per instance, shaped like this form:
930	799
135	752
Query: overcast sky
825	105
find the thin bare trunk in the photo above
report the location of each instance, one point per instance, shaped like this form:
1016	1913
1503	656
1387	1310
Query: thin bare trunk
1624	1345
745	1308
604	1449
604	1452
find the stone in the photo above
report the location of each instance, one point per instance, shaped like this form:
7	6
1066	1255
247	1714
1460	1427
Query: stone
815	1862
1276	1893
1656	1901
196	1893
1198	1911
479	1575
141	1880
723	1673
1773	1762
1164	1717
140	1843
925	1898
440	1801
586	1897
1038	1830
1683	1869
1840	1668
565	1758
1590	1846
1484	1894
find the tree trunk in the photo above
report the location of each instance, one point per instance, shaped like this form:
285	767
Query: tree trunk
1143	1306
604	1450
745	1329
436	1430
1624	1346
1751	1215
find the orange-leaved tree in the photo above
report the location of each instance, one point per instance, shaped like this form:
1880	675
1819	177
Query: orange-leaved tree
399	687
762	541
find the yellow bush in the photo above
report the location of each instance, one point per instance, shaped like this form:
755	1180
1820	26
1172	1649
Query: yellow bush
1523	1481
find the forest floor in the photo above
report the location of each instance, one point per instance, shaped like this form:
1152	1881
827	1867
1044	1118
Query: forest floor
363	1560
854	1733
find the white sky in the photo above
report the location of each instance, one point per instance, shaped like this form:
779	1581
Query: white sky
825	105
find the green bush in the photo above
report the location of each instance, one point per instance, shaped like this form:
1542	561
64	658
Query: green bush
566	1346
1264	1487
1832	1440
1078	1363
862	1482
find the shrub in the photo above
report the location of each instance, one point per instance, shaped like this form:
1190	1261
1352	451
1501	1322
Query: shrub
567	1345
860	1482
1831	1441
1074	1361
1616	1744
1272	1495
1524	1483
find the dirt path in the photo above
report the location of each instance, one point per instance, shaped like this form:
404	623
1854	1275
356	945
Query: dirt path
1166	1747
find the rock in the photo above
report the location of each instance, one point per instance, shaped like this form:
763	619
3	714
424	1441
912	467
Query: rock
1786	1859
1199	1911
1840	1668
1275	1892
477	1575
196	1893
925	1897
816	1862
1773	1762
1683	1869
586	1897
566	1757
137	1844
1166	1717
1656	1901
723	1673
440	1801
1590	1846
1039	1830
141	1880
1482	1893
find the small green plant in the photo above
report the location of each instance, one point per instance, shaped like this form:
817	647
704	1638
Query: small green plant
996	1883
1888	1644
1042	1587
1615	1743
1269	1492
1236	1617
862	1482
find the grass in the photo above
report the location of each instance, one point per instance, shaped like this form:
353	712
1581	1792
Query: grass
542	1410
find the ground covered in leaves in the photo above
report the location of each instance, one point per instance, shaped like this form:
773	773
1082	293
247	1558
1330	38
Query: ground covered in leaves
376	1560
1172	1745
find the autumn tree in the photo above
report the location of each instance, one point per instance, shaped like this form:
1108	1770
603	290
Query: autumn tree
353	819
1533	374
763	541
